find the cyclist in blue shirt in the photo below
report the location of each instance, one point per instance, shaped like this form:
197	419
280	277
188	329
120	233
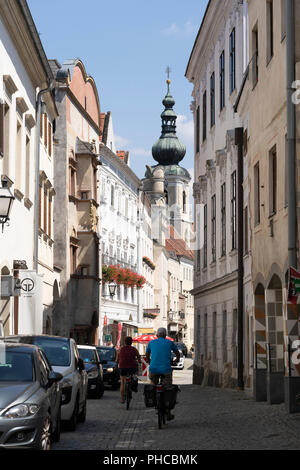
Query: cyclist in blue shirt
158	354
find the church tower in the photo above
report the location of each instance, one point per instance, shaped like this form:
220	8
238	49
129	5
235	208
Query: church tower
168	151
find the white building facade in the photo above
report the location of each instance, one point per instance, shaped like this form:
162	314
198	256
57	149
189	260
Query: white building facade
119	200
24	71
216	69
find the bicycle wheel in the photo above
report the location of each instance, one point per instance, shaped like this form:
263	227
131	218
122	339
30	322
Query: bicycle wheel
128	396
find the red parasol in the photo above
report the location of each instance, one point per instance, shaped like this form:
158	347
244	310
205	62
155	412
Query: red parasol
147	338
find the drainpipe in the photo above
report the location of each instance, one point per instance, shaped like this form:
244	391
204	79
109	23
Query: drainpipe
291	133
37	173
240	217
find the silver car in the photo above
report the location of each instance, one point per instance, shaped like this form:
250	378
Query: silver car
62	354
30	398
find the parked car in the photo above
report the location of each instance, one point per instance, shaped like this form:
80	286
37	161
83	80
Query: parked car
180	364
30	398
1	329
111	374
94	369
182	348
62	353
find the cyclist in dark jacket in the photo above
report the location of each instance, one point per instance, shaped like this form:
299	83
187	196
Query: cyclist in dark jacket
127	358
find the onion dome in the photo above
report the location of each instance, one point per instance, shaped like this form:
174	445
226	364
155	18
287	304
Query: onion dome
168	150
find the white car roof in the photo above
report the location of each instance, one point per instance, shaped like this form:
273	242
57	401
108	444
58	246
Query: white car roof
84	346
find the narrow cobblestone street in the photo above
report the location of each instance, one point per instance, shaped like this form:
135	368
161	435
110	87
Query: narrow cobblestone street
206	418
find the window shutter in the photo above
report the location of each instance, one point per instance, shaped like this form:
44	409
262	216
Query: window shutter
49	139
1	129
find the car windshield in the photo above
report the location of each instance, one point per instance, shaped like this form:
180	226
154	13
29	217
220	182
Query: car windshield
16	366
88	355
57	350
107	354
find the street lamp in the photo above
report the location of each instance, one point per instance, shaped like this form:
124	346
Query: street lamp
112	288
6	202
171	313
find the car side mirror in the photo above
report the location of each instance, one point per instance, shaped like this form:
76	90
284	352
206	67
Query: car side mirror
54	377
80	365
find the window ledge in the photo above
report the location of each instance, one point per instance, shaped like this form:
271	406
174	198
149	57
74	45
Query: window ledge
18	194
28	203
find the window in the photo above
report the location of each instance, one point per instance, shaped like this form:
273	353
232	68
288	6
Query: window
246	229
205	336
212	100
84	195
204	117
222	80
198	129
84	270
50	216
234	338
73	259
205	238
18	157
40	206
232	60
72	181
254	56
95	184
45	209
233	210
223	219
49	139
256	195
112	196
273	180
184	202
27	169
6	139
224	336
214	337
213	228
270	31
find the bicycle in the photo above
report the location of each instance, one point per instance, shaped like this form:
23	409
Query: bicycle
128	390
160	403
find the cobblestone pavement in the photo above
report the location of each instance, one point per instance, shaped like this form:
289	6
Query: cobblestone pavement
206	418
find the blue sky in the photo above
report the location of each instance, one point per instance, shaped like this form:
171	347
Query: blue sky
126	46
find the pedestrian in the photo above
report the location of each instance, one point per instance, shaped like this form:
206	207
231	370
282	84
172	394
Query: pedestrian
159	355
127	358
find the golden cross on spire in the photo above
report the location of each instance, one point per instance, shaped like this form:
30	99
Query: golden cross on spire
168	71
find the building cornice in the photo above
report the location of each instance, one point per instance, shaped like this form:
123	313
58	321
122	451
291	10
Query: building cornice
119	164
206	288
18	21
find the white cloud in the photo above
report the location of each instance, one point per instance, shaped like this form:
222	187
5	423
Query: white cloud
187	28
190	28
185	129
173	29
121	142
141	152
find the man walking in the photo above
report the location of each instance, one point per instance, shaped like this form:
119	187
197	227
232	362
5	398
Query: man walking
159	355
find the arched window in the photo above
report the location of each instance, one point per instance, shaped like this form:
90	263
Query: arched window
112	196
184	202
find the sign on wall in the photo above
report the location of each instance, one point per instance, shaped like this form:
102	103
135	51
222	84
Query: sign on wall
30	303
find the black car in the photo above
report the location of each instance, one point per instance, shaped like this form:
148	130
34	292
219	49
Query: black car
182	348
111	374
30	398
94	369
